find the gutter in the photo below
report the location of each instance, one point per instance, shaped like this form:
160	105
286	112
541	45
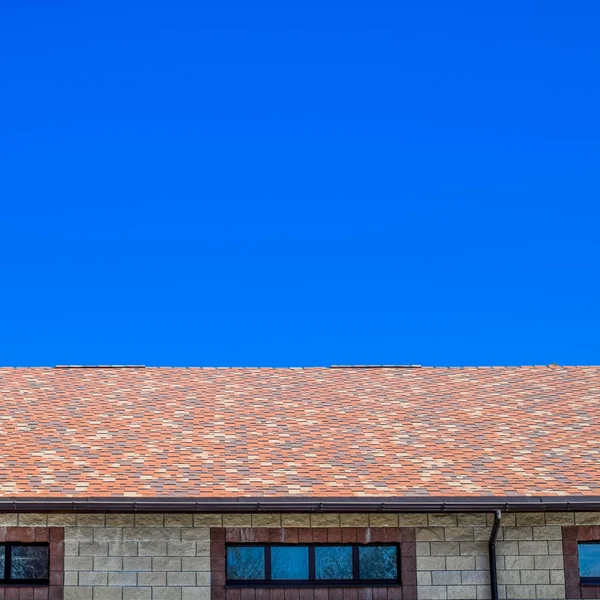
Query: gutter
304	504
492	555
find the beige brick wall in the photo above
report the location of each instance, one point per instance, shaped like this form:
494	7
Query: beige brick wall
167	557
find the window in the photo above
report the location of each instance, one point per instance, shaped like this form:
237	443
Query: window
313	565
24	563
589	562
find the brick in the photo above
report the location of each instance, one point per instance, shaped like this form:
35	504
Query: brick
207	520
77	593
437	520
325	520
108	563
531	518
460	563
79	563
120	520
108	534
122	578
354	520
33	520
429	534
445	548
137	593
533	547
157	548
383	520
93	548
166	593
412	520
91	520
107	593
166	563
462	592
149	520
93	578
445	577
550	591
522	592
152	579
122	548
195	563
462	534
137	563
198	534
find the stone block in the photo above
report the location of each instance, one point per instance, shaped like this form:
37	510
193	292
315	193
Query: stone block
383	520
93	548
518	533
79	563
137	593
122	548
561	518
187	548
437	520
429	534
60	520
82	534
433	592
91	520
166	563
352	520
462	592
471	519
137	563
460	563
549	532
482	534
33	520
203	578
197	534
122	578
207	520
473	548
196	594
181	579
93	578
108	593
506	577
196	563
587	518
238	520
537	577
445	577
157	548
555	547
522	592
120	520
550	591
460	534
505	548
152	579
179	520
548	562
533	547
431	563
9	519
325	520
108	563
152	534
557	577
203	548
71	578
149	520
108	534
79	592
71	548
475	577
532	518
484	592
412	520
445	548
166	593
517	563
423	578
423	549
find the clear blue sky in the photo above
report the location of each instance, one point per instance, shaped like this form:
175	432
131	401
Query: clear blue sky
312	183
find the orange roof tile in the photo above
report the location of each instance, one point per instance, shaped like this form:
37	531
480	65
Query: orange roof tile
301	432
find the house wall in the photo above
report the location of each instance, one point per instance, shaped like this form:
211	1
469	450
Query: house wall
168	557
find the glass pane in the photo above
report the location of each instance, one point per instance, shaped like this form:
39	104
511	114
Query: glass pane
2	554
245	562
29	562
589	560
333	562
378	562
289	562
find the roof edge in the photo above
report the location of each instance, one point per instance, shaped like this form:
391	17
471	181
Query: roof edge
303	504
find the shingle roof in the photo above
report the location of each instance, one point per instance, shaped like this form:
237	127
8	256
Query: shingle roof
302	432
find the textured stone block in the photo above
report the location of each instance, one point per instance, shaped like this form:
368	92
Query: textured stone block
445	577
203	548
157	548
533	547
149	520
108	563
71	578
561	518
555	547
505	548
91	520
179	520
473	548
137	563
151	534
237	520
516	563
152	579
549	532
108	534
120	520
196	563
166	593
537	577
33	520
471	519
79	563
484	592
187	548
587	518
532	518
203	578
82	534
433	592
548	562
461	534
429	534
93	548
181	579
460	563
445	548
506	577
122	548
59	520
71	548
436	520
354	520
518	533
412	520
423	549
198	534
520	592
482	534
383	520
431	563
78	593
93	578
557	577
196	594
423	578
550	591
475	577
122	578
208	520
108	593
462	592
325	520
166	563
137	593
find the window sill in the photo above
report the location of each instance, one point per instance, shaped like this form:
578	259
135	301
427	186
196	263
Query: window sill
311	585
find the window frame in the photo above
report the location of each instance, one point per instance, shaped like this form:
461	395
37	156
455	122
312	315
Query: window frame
312	582
6	579
584	581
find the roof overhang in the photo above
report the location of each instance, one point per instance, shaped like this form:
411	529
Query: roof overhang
304	505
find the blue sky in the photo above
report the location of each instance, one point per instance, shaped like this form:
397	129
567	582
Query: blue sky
205	183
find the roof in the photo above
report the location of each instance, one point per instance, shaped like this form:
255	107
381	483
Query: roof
314	432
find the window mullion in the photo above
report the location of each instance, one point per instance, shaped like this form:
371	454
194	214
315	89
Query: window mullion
268	562
355	569
311	563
